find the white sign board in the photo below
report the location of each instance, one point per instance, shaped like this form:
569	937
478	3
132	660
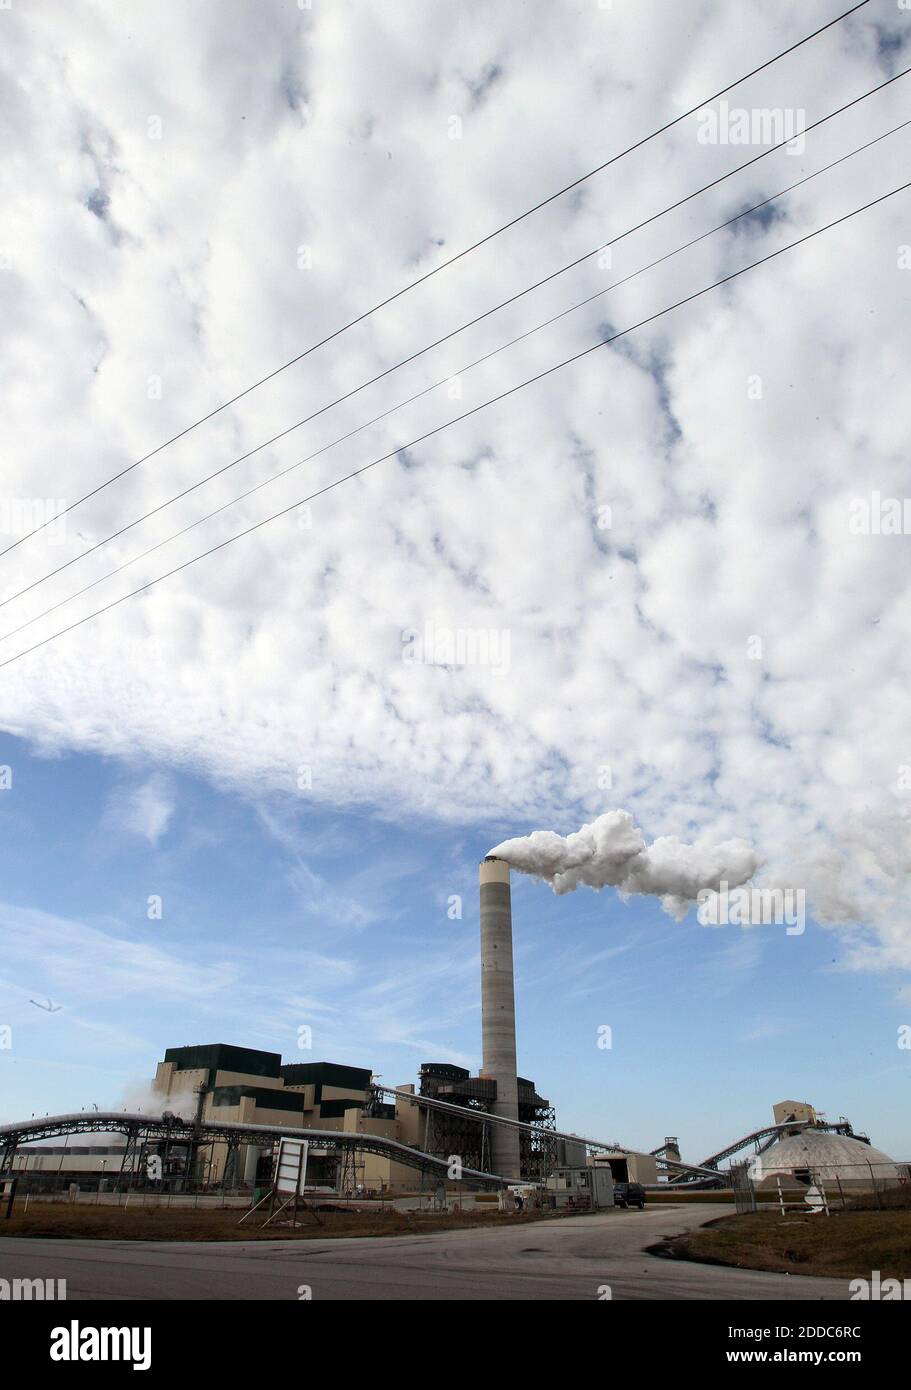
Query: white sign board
291	1166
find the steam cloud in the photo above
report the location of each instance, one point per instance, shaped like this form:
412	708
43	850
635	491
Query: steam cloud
142	1097
612	852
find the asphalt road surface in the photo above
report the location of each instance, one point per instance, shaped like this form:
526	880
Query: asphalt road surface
570	1259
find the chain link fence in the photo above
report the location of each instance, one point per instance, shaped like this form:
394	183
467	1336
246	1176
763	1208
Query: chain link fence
845	1186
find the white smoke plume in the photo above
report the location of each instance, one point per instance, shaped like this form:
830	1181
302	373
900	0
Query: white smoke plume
138	1097
612	852
143	1098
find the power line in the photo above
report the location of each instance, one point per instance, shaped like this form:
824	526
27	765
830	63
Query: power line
461	371
429	434
406	289
479	318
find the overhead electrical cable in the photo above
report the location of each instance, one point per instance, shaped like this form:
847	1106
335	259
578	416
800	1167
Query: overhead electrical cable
461	371
429	434
429	347
406	289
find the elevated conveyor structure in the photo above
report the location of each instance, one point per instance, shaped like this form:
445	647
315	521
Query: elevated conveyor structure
545	1132
759	1140
155	1128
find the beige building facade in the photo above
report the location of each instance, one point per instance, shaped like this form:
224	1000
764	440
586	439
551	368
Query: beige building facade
235	1085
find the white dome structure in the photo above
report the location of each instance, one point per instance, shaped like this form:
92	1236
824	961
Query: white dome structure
813	1155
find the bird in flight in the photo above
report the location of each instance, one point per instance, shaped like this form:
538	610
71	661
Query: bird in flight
48	1007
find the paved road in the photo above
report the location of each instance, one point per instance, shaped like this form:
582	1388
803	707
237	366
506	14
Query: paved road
569	1259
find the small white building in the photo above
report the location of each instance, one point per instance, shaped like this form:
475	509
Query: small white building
589	1187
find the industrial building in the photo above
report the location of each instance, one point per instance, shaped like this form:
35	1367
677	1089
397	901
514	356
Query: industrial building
447	1132
53	1167
241	1085
244	1086
219	1110
629	1167
494	1123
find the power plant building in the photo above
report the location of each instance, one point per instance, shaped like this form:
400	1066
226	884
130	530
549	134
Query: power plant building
493	1123
244	1084
227	1085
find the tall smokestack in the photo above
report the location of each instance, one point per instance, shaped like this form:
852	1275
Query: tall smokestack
498	1011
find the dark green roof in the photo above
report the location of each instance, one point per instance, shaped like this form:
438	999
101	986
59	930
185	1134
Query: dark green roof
266	1097
335	1109
326	1074
248	1061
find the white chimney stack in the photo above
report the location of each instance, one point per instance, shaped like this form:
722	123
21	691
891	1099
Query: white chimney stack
498	1011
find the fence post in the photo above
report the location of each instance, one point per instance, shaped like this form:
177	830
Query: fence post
879	1201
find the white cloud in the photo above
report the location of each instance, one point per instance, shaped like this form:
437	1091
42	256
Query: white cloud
767	1029
76	963
133	259
144	809
353	1009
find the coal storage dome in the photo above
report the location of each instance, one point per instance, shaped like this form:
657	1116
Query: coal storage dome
827	1157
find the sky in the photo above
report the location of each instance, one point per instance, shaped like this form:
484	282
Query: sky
667	578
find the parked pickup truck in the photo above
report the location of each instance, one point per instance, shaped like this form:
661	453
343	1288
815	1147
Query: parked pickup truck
629	1194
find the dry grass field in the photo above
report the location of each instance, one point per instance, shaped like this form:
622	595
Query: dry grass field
61	1221
846	1244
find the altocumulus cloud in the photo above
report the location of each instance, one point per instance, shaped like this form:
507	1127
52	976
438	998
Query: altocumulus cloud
662	530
